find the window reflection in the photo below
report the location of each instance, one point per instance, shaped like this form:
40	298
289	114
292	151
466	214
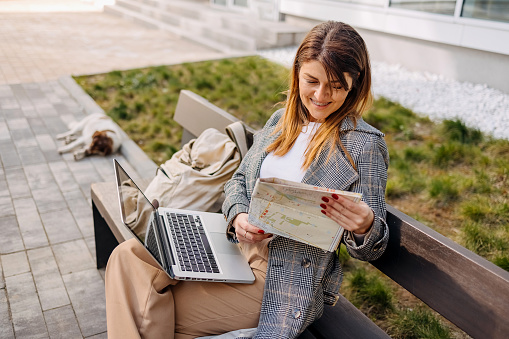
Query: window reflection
377	3
496	10
445	7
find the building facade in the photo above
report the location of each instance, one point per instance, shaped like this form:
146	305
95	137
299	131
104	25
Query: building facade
467	40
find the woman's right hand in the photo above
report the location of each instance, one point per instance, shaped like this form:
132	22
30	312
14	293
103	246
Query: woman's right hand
246	232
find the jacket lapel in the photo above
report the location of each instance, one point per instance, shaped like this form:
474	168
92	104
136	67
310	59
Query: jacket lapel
337	173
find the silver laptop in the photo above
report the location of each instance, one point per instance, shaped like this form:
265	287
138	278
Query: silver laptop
188	245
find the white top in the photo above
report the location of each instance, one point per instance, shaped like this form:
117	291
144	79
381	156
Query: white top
289	166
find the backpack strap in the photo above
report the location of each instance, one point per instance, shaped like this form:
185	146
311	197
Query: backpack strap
240	136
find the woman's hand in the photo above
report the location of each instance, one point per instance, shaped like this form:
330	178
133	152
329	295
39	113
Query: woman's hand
355	217
246	232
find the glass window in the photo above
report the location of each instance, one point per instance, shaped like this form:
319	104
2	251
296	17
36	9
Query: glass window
242	3
220	2
431	6
496	10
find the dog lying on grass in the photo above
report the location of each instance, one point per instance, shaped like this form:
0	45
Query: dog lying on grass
95	134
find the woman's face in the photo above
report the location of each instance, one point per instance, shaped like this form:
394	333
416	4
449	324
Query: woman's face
320	98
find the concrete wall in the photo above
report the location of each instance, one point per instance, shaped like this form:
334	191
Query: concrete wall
459	63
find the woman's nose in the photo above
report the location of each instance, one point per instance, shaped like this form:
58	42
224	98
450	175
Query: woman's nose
322	93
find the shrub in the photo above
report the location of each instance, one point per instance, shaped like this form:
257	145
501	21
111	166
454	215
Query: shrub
444	189
455	130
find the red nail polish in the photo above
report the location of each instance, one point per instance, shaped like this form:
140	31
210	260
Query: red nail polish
335	196
325	199
323	206
261	231
324	212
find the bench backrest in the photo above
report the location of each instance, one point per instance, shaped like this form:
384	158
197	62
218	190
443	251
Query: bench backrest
463	287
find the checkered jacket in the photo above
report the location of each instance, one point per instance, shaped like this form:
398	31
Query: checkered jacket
301	278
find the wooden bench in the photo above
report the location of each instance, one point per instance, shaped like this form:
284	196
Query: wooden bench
463	287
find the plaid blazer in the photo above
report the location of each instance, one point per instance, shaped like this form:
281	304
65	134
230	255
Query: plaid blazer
301	278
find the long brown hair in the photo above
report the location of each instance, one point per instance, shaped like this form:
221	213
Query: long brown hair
340	49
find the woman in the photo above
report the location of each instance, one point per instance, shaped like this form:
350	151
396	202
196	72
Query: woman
319	138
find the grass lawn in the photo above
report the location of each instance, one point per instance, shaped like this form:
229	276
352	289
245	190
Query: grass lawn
452	178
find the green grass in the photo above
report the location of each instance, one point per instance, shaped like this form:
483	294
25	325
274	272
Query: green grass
451	177
143	101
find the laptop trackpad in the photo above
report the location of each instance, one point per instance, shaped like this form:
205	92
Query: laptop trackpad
222	245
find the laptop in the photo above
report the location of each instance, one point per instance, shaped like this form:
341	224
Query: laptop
187	245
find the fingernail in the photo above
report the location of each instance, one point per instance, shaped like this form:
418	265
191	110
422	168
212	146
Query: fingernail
261	231
335	196
325	199
324	212
270	236
323	206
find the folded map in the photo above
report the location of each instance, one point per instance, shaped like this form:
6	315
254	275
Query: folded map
292	209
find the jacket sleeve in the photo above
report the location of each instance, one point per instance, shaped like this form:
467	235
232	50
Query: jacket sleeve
372	163
239	188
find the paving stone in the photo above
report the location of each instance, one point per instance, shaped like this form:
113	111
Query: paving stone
30	224
29	111
26	311
54	124
63	176
9	155
15	263
9	104
60	226
23	138
18	185
90	241
10	113
4	131
46	142
82	212
73	256
6	329
104	166
31	155
18	123
10	241
37	125
48	199
6	207
103	335
62	323
49	283
86	290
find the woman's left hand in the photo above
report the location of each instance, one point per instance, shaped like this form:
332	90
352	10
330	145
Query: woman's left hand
355	217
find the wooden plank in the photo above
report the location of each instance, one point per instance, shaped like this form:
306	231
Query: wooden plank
104	195
344	320
465	288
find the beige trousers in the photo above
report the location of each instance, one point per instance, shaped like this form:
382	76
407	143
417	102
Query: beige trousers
143	302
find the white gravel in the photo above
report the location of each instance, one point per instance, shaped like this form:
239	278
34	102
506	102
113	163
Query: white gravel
477	105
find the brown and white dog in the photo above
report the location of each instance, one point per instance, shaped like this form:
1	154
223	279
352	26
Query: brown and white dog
95	134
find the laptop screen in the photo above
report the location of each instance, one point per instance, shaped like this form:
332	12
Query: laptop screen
136	211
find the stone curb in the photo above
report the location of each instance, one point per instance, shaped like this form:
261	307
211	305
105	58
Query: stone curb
145	167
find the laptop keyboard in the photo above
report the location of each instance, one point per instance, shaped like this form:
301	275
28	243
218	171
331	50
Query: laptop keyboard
193	248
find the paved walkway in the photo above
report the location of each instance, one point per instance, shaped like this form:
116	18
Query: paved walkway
49	286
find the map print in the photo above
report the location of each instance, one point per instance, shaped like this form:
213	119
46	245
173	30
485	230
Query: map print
293	210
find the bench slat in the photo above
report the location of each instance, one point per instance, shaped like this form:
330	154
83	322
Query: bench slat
465	288
344	320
